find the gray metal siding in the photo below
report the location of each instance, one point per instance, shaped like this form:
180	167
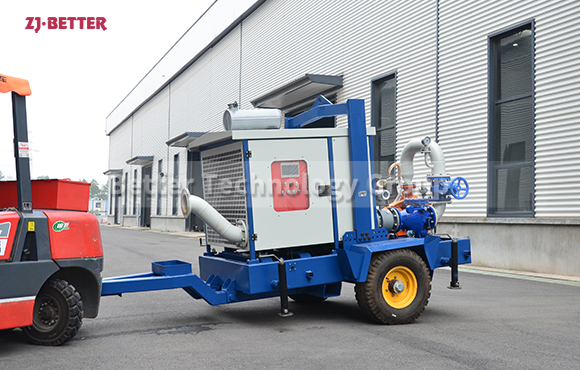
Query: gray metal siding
201	94
120	145
150	132
558	110
150	127
190	98
463	81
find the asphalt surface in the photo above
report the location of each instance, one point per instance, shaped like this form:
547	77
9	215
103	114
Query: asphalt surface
494	322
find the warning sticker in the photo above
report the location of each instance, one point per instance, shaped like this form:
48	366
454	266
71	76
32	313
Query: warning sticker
4	229
23	150
4	232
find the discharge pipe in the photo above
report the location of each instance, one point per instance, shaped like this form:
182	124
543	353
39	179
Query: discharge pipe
437	166
209	215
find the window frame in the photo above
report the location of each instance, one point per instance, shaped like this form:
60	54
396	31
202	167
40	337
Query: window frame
159	187
111	196
134	186
125	193
375	118
494	103
175	186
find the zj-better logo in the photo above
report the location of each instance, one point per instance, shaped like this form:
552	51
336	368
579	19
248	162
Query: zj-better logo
66	23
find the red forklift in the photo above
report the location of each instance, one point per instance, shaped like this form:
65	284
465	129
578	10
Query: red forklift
51	255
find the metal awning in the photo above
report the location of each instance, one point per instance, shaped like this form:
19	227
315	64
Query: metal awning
210	138
307	87
183	140
140	160
114	172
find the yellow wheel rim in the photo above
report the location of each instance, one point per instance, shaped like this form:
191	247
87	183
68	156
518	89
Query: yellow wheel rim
400	287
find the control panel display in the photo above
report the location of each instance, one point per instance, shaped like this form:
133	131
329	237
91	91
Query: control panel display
290	186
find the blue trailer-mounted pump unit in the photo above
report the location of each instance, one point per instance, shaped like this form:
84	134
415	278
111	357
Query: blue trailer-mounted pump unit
295	212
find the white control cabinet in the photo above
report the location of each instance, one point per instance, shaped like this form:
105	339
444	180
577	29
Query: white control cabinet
290	187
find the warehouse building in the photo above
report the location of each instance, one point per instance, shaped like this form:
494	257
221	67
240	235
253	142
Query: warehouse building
496	84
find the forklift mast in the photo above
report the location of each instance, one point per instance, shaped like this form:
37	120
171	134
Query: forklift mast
20	88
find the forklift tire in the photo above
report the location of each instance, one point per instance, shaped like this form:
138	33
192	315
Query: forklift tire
58	314
397	288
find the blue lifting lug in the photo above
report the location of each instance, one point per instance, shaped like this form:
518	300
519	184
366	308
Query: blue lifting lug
466	254
309	275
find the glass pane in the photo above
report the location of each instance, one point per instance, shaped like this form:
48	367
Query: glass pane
387	142
515	189
385	148
514	64
516	131
387	103
385	92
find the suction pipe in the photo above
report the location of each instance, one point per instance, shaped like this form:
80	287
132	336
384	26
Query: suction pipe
208	214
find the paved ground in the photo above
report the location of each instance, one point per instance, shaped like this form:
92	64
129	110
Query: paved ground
494	322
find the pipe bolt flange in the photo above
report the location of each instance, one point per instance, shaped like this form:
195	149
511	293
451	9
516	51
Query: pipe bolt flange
242	225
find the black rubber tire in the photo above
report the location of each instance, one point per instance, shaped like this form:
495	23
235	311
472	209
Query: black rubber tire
58	314
306	298
370	297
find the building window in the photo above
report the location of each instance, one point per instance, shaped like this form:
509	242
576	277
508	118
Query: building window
384	118
159	184
175	192
511	123
126	186
135	192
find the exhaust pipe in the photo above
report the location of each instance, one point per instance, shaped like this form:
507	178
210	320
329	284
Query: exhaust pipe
209	215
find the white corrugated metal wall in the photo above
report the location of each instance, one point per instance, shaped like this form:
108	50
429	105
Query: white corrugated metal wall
200	95
558	110
120	145
463	79
150	132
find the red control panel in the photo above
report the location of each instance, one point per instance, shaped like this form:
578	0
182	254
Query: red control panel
290	186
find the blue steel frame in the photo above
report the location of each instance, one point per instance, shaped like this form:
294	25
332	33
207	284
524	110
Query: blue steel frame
250	214
333	191
225	280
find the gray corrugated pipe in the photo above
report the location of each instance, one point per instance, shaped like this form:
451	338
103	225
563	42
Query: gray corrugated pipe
437	165
209	215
